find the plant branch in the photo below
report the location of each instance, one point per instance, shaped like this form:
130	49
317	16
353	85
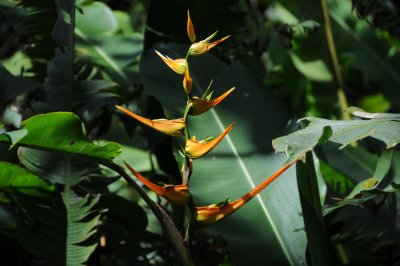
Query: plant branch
165	221
334	60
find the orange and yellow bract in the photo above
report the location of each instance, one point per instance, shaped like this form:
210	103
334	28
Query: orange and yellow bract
176	194
172	127
196	149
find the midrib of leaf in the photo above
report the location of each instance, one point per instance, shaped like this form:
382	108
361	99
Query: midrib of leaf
104	55
67	202
360	42
248	176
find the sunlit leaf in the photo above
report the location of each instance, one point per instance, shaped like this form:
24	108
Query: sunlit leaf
315	70
92	11
15	177
343	132
317	244
63	132
81	222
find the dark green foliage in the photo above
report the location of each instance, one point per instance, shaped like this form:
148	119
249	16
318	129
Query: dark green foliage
384	15
317	245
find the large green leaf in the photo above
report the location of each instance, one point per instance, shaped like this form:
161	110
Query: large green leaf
314	70
55	234
60	131
264	230
382	182
59	80
55	167
384	127
15	177
318	247
81	222
41	229
121	63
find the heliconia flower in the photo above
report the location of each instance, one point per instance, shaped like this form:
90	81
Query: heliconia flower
190	29
210	214
196	149
187	82
176	194
178	65
173	127
200	105
204	46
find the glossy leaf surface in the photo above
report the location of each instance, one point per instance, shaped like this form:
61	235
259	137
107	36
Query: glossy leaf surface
383	127
60	131
15	177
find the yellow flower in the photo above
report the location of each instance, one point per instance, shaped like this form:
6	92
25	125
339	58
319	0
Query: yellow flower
173	127
196	149
200	106
176	194
190	29
187	82
210	214
204	46
178	65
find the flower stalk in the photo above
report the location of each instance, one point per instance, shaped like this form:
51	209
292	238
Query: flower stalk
179	194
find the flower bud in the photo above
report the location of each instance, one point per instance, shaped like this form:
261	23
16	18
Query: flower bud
187	82
204	46
190	29
178	65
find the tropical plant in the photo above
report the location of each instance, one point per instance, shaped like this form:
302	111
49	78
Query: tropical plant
83	182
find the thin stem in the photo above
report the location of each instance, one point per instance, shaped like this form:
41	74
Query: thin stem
191	214
334	60
207	90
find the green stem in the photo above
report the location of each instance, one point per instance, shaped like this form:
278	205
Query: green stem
334	60
342	254
190	210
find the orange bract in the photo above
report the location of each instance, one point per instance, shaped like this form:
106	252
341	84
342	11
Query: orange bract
210	214
176	194
169	127
178	65
204	46
200	106
190	28
196	149
187	82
